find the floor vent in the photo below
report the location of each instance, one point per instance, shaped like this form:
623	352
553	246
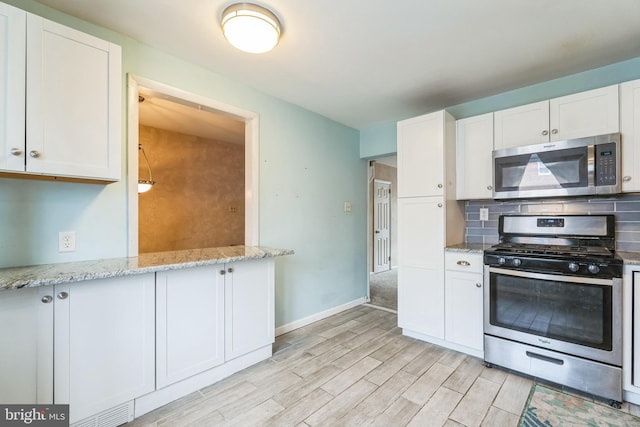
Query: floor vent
110	418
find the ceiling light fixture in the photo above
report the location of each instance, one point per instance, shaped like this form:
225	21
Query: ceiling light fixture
250	27
143	184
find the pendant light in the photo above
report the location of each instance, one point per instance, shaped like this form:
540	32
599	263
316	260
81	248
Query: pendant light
250	28
143	184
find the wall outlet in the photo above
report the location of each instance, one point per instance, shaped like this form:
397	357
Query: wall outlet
66	241
347	206
484	214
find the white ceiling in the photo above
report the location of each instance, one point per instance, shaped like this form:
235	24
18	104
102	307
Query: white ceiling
362	62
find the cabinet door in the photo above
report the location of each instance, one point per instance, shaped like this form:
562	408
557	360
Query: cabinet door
13	24
594	112
630	128
524	125
474	169
421	156
249	306
635	328
463	296
26	359
73	102
104	343
190	323
421	265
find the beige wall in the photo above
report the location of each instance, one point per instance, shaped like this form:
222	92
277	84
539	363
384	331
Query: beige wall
386	173
198	184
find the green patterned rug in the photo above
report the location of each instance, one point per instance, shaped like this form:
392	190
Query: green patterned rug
547	407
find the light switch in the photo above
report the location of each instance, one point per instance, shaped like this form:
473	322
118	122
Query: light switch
347	206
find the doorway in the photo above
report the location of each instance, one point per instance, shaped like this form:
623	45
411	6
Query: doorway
249	120
383	273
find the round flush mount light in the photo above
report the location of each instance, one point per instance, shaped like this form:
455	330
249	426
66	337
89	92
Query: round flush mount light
250	28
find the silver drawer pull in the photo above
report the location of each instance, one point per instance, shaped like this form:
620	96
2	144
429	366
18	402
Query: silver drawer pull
63	295
626	178
47	299
478	285
464	263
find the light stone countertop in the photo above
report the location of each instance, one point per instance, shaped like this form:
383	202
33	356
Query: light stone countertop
68	272
629	258
468	247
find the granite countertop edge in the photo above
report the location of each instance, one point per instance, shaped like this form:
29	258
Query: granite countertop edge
468	247
70	272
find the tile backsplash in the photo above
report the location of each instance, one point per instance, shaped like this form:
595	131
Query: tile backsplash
626	209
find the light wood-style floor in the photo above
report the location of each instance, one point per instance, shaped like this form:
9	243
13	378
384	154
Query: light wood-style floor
356	369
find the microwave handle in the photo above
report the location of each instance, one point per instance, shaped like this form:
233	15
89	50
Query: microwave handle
591	165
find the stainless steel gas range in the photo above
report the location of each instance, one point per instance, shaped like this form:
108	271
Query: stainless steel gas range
553	301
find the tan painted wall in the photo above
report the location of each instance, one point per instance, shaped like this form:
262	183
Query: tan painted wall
198	182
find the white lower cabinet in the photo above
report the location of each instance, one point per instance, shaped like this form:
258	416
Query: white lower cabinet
207	316
631	333
190	323
249	307
463	301
26	359
104	344
89	344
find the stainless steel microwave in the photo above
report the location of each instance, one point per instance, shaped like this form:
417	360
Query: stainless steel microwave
575	167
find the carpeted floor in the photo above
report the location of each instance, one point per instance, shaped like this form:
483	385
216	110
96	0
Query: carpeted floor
547	407
383	288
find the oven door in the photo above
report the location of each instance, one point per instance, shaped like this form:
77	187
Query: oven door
580	316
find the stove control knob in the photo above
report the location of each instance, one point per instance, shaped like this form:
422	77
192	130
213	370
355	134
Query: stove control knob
573	267
516	262
502	261
594	269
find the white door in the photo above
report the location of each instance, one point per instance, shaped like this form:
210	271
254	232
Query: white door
594	112
474	145
249	306
13	24
421	265
381	224
630	128
523	125
463	297
73	102
190	323
104	336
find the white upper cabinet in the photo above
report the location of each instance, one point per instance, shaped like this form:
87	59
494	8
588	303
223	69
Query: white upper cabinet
421	156
630	129
13	25
593	112
474	143
524	125
62	92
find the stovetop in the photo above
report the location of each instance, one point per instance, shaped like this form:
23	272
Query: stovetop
578	245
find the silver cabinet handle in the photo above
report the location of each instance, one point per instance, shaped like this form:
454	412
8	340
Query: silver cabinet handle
463	262
34	153
63	295
626	178
554	131
545	132
439	205
478	285
229	270
439	185
489	187
16	152
47	299
222	272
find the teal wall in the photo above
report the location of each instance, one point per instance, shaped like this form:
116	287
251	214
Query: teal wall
378	141
309	166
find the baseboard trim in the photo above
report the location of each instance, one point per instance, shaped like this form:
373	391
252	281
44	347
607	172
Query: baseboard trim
318	316
390	310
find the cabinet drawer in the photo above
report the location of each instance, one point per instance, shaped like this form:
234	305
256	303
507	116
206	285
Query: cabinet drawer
463	261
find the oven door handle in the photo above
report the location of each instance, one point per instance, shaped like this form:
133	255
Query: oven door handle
554	277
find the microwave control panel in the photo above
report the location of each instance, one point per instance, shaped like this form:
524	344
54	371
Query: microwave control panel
606	165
